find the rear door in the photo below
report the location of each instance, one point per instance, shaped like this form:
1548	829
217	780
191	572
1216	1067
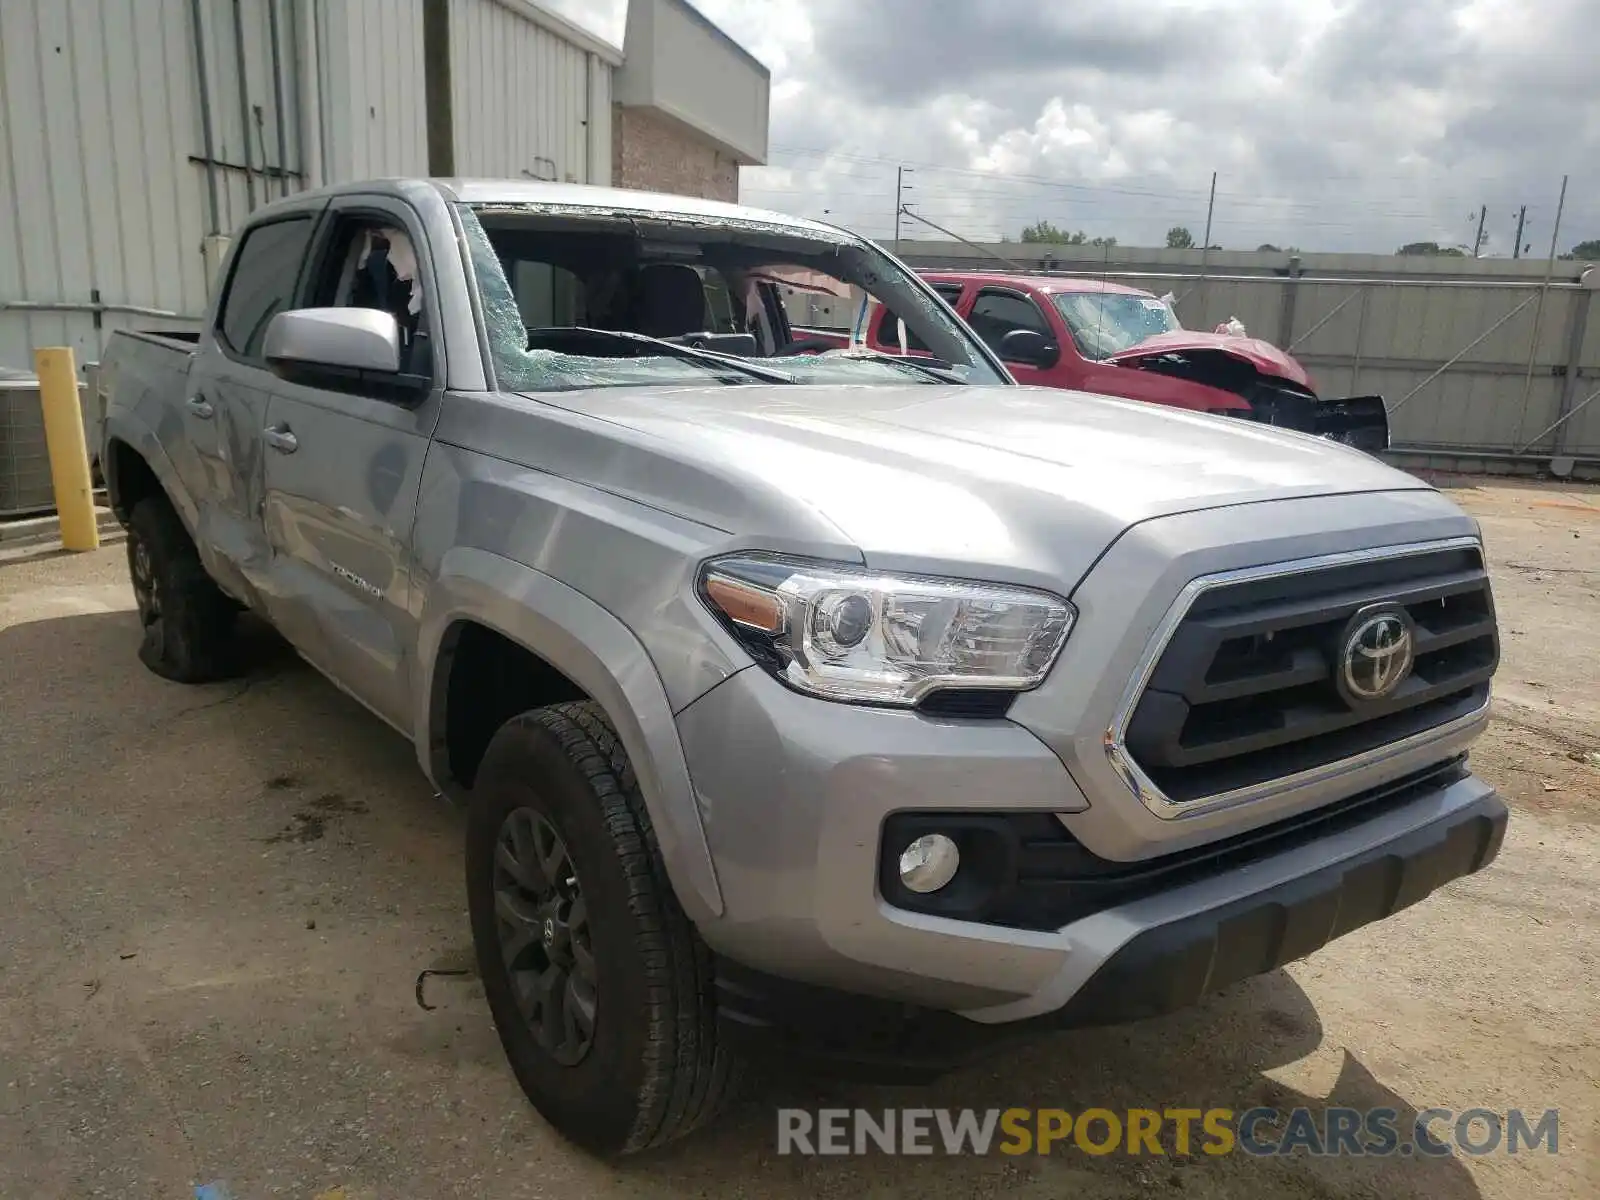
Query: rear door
225	402
343	466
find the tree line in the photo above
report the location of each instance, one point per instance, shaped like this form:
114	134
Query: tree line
1179	238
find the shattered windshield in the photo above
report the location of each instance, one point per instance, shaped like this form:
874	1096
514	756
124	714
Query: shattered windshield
1105	323
576	297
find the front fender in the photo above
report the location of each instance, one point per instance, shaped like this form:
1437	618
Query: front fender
600	654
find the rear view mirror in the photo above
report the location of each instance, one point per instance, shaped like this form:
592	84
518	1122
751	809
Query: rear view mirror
348	339
1029	347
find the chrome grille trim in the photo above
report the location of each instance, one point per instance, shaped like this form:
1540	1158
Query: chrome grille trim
1151	795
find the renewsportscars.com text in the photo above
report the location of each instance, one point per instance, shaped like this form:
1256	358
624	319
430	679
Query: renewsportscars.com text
1381	1132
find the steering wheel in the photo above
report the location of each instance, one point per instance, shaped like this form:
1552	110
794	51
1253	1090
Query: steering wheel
804	346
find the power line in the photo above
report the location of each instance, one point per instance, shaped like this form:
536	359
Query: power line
996	200
1235	198
866	158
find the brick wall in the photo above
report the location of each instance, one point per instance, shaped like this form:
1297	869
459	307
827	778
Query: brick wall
653	153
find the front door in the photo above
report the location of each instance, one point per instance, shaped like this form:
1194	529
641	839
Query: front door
343	468
998	311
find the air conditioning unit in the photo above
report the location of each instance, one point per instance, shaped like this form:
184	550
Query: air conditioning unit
25	486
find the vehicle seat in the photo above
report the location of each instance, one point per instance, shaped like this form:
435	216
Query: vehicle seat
378	285
669	301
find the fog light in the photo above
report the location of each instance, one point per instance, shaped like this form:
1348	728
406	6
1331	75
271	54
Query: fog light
929	863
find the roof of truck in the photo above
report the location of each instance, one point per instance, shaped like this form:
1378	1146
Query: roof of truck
540	192
1038	283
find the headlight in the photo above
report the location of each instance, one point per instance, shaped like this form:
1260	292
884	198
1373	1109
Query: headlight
849	634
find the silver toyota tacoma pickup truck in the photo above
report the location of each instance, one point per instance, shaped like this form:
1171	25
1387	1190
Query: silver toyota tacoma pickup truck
863	705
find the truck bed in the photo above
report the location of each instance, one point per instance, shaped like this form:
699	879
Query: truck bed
145	368
173	339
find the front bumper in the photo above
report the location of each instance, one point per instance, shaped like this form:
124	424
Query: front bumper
1358	421
1165	965
795	793
1172	965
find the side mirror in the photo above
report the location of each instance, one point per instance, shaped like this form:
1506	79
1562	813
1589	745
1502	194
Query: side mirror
356	339
354	350
1029	347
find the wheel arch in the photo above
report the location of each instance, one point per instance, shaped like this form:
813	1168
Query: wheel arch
589	647
135	466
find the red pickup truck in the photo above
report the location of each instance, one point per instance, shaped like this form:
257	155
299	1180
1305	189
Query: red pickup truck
1092	335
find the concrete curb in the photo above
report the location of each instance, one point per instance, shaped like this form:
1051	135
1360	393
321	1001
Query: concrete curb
30	531
35	538
13	553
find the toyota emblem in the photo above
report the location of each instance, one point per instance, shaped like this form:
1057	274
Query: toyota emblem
1376	654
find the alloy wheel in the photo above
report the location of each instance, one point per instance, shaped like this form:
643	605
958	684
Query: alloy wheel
543	924
146	587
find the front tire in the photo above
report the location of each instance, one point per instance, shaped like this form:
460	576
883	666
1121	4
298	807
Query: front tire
599	986
185	620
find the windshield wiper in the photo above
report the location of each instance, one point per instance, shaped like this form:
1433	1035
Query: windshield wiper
934	368
694	354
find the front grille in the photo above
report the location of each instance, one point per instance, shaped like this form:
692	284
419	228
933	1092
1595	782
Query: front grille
1244	691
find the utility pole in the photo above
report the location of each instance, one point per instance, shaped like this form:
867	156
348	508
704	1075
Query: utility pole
1205	246
1522	216
1538	310
899	205
1477	242
1211	206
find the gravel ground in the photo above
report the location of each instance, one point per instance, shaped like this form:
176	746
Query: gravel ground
217	901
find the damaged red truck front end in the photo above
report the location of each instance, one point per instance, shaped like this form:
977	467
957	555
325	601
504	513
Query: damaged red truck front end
1093	335
1258	381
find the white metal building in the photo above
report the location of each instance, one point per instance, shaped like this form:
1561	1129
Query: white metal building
136	134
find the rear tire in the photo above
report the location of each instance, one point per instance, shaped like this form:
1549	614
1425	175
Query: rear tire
640	1063
185	620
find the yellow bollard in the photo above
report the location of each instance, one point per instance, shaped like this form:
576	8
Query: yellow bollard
69	456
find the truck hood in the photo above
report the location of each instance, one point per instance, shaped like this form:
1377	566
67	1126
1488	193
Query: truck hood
1263	356
1016	481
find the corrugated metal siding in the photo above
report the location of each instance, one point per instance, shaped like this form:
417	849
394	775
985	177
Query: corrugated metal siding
523	97
244	125
104	193
373	91
95	181
100	133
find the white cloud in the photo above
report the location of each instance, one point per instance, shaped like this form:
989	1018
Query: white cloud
1334	124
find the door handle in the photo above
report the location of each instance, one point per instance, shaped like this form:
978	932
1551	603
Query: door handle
200	407
281	439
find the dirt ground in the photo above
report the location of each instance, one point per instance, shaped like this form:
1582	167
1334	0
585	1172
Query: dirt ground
216	903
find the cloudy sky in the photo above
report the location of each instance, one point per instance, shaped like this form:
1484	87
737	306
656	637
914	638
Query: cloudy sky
1331	124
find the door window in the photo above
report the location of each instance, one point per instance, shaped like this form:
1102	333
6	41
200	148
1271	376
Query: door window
995	314
372	263
262	284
